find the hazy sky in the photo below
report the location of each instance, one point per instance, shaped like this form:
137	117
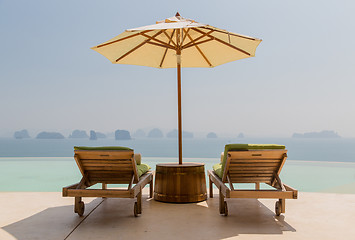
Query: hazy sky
302	78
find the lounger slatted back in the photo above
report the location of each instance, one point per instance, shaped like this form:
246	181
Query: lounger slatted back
109	165
256	164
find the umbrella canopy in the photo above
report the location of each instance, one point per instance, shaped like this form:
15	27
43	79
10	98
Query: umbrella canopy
177	42
156	45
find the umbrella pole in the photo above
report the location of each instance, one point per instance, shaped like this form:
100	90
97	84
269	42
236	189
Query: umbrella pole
179	104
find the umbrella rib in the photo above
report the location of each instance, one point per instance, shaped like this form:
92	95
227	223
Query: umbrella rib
198	43
196	39
138	46
186	32
232	34
161	45
121	39
200	51
170	38
166	49
225	43
157	40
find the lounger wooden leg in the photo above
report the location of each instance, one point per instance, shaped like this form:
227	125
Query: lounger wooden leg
76	203
151	189
221	202
283	205
139	201
104	187
211	188
135	210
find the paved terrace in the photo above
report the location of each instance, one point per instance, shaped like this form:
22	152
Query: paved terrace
31	215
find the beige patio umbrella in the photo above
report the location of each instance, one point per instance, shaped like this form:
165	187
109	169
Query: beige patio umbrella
177	42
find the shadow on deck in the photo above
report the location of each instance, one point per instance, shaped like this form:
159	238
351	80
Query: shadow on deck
113	219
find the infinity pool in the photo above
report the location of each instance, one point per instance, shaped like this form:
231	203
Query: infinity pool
50	174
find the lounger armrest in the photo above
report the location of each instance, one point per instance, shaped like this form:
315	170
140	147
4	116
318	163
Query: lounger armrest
143	180
295	191
79	185
218	182
108	193
65	189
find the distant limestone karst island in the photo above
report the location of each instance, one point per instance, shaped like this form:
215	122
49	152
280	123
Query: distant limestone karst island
240	135
155	133
122	135
50	135
96	135
322	134
78	134
21	134
211	135
174	134
82	134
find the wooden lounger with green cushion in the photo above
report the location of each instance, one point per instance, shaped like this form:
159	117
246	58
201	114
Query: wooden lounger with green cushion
251	163
109	165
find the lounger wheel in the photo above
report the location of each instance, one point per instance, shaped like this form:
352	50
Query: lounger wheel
278	208
225	209
135	210
81	208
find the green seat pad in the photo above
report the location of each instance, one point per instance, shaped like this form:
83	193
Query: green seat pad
217	168
102	148
142	168
246	147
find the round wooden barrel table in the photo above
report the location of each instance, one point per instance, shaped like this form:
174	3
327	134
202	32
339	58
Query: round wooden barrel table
180	183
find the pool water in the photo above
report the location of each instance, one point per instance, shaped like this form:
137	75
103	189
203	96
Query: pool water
50	174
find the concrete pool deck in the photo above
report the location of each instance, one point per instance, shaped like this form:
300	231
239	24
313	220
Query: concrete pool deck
47	215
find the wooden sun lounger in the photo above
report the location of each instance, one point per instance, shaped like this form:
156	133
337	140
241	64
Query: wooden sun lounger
253	166
108	167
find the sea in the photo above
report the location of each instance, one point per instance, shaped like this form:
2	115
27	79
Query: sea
47	165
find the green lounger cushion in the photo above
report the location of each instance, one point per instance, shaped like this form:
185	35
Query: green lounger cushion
217	168
138	158
102	148
243	147
142	168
